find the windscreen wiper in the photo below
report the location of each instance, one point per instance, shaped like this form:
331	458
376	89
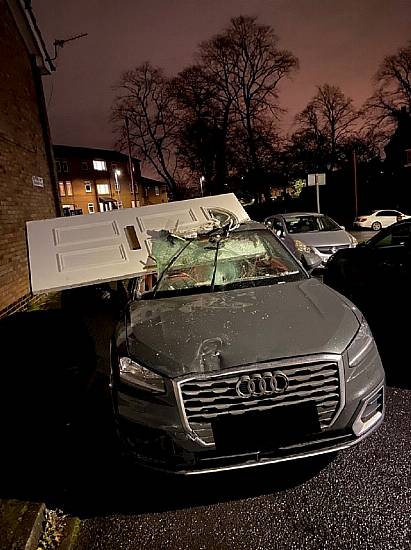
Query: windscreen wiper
170	264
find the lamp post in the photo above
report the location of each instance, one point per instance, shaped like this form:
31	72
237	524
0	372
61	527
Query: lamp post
117	172
354	161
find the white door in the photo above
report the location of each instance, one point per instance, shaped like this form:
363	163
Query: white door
81	250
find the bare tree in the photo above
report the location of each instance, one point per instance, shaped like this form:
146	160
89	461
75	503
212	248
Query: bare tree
200	144
392	87
146	98
328	121
246	66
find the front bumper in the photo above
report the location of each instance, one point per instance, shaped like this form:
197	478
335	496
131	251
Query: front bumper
155	434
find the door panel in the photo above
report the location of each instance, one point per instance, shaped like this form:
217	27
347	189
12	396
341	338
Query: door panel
75	251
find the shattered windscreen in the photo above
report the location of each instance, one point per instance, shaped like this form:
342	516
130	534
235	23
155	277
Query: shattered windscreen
239	259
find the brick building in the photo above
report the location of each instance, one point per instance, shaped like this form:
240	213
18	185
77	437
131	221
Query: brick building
96	180
28	189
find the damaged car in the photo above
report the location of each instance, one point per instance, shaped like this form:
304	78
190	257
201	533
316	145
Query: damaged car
228	354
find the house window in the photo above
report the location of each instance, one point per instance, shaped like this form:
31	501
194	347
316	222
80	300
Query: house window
84	165
90	207
87	186
114	166
146	192
69	188
62	189
64	165
119	204
407	157
58	166
99	165
157	190
103	189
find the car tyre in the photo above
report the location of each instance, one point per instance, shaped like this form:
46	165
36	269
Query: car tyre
376	226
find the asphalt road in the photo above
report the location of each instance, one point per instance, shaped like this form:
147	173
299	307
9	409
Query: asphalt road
361	499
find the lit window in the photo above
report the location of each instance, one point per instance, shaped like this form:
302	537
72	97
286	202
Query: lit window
58	166
103	189
64	165
69	188
90	207
157	190
84	165
62	188
99	165
87	186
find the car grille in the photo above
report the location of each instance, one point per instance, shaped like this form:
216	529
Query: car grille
204	399
331	249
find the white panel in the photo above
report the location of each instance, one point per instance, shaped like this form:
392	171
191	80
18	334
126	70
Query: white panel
80	250
77	234
91	257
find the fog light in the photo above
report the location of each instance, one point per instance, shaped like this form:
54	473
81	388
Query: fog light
371	412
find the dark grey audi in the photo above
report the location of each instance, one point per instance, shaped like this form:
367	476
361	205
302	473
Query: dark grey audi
234	356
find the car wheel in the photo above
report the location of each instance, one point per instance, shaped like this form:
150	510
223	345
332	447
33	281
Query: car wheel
376	226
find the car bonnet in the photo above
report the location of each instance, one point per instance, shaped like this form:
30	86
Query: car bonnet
213	331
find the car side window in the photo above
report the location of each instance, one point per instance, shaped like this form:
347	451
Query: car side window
277	225
399	236
383	213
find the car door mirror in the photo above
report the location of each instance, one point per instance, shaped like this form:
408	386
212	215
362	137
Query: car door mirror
342	227
311	262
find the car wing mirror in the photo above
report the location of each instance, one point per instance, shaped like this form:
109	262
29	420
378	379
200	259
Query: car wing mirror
312	262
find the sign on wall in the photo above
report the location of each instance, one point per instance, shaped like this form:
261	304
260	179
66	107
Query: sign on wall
37	181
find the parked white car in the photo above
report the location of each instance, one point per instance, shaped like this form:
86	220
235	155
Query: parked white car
379	219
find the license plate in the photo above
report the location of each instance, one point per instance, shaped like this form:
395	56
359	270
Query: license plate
264	430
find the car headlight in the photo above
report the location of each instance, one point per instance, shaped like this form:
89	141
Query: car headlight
302	247
361	345
136	375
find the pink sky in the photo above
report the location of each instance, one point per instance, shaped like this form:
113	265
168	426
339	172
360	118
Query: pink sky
341	43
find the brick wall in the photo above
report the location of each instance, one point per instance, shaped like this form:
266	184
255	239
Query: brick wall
22	155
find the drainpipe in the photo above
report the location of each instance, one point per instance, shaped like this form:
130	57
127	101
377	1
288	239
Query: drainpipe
46	134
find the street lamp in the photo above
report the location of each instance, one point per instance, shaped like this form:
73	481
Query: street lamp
202	180
117	172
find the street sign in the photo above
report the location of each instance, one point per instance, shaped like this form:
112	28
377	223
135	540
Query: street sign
316	179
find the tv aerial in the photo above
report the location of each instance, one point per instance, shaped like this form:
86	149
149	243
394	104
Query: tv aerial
60	43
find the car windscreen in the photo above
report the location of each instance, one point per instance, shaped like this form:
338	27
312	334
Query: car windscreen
306	223
240	259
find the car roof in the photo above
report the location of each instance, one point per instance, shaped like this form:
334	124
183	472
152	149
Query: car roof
295	214
249	225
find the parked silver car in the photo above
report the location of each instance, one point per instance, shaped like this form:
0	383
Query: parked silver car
311	233
237	357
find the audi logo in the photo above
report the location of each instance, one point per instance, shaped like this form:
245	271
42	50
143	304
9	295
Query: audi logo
258	385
